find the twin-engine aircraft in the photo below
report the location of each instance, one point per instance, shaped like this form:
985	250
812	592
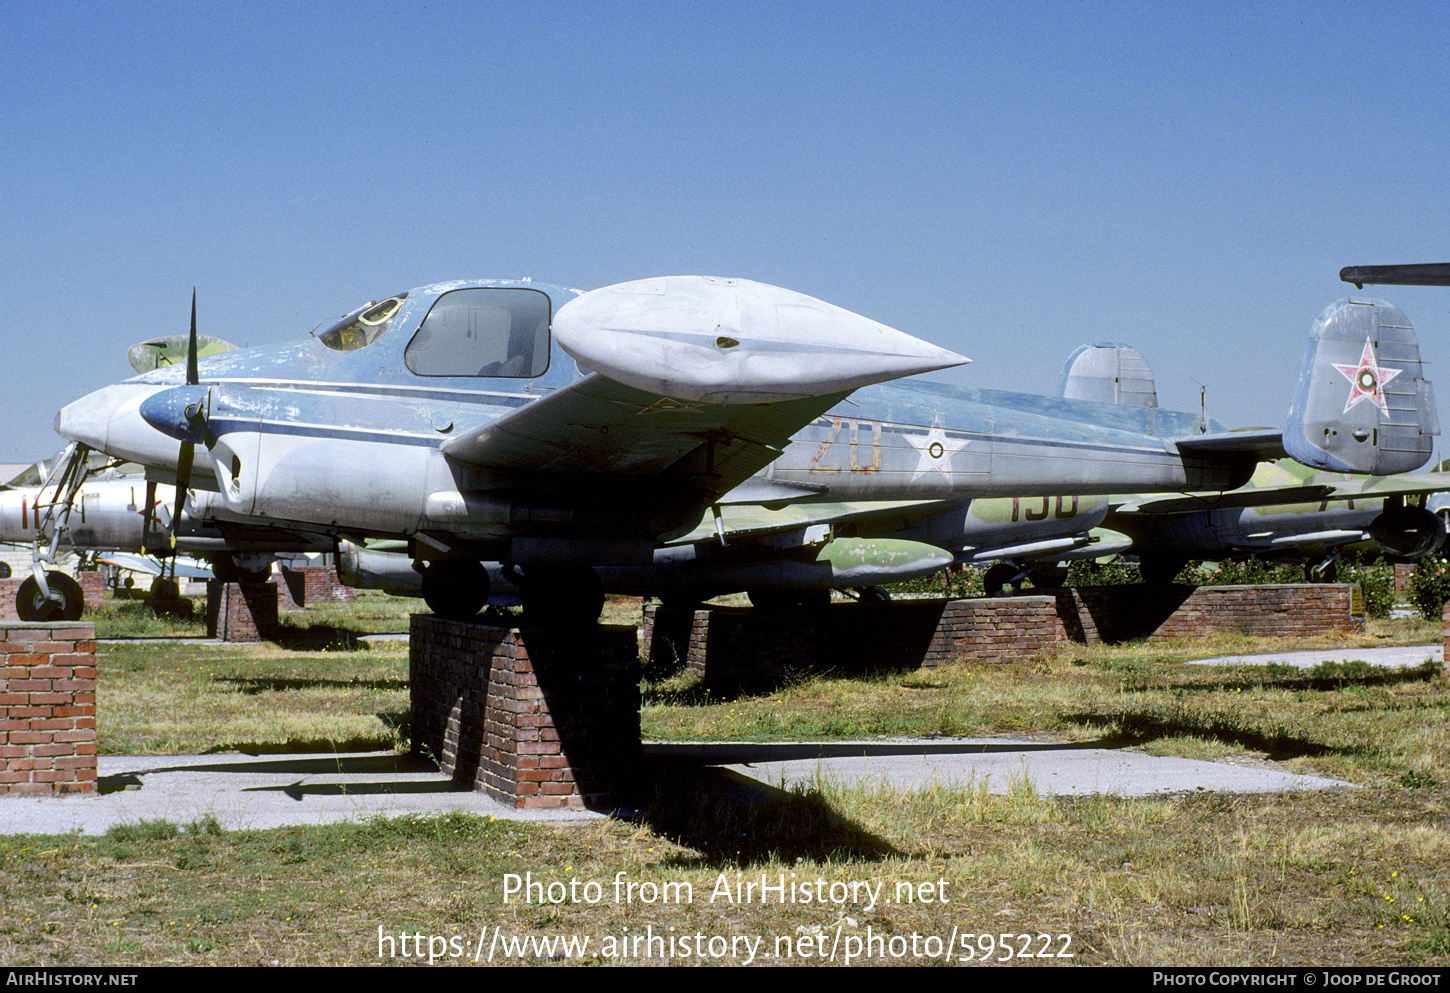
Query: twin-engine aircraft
565	434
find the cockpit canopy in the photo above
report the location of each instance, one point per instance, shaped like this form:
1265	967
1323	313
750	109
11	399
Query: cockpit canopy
494	331
363	326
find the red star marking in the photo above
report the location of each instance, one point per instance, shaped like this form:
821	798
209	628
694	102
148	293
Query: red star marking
1366	380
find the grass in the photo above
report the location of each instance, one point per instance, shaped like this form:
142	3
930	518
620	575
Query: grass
941	874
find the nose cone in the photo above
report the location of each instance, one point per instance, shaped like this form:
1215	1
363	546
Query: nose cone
109	420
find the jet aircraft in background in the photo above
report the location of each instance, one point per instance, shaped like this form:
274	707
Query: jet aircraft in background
119	511
1285	513
565	434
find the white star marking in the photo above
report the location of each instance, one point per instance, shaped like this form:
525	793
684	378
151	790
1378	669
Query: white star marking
936	450
1367	380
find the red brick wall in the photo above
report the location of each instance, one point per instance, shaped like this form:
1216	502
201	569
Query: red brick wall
48	708
241	611
535	717
740	649
302	587
1095	614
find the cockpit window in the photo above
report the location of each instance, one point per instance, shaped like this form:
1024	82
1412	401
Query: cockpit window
494	331
363	326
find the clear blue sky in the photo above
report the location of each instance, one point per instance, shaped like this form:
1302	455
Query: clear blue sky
1008	180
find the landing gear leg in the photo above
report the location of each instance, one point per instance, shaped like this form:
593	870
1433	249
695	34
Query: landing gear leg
50	595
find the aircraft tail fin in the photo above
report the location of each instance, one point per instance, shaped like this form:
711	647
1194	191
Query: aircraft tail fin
1108	373
1362	403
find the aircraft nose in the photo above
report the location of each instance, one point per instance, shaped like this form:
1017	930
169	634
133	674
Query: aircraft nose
109	420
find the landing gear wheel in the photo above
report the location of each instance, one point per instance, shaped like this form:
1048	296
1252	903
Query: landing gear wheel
225	568
457	590
164	589
996	579
872	594
31	605
562	595
1048	577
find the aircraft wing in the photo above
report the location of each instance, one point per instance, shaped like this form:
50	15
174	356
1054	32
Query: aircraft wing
741	520
601	427
1319	489
131	562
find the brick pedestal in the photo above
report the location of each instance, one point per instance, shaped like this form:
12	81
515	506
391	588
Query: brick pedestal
241	611
1098	614
301	588
93	587
1445	622
1404	572
739	649
48	708
535	717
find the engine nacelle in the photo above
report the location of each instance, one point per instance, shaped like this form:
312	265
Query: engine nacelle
1407	531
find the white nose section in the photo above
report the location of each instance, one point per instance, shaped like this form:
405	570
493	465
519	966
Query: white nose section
109	420
734	341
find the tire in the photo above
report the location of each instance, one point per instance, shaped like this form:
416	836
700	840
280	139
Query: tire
457	590
996	578
30	605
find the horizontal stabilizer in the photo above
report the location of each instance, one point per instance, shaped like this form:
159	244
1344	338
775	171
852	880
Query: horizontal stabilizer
1230	500
1263	444
1362	403
1426	274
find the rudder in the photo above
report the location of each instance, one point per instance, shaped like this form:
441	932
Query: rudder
1362	403
1108	373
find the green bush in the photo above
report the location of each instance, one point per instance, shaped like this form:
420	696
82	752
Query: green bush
1094	573
1430	586
1378	584
1253	572
953	583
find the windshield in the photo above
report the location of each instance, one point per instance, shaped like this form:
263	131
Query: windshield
498	332
363	326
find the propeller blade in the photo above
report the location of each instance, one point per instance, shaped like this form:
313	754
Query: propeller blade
183	481
192	375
